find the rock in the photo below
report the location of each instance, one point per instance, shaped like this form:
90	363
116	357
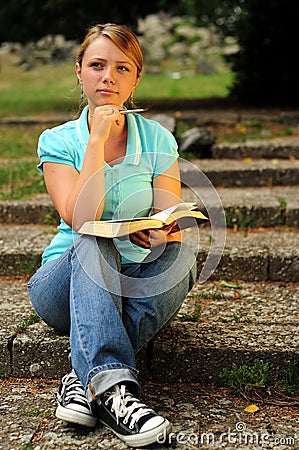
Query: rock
197	140
166	121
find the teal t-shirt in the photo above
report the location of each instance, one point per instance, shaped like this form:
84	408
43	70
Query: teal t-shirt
151	149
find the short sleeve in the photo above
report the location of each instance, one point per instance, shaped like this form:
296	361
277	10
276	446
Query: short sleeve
52	147
166	151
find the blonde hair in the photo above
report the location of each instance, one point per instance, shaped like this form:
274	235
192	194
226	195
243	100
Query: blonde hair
121	36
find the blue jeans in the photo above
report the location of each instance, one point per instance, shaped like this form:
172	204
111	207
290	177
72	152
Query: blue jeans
108	309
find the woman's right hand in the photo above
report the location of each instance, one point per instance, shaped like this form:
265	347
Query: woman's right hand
102	119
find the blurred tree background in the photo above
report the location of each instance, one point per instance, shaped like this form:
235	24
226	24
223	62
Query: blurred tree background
265	66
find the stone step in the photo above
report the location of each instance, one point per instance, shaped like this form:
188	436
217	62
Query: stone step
240	173
225	172
249	208
253	256
243	207
37	210
277	148
219	324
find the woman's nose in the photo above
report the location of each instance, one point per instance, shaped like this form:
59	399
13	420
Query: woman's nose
108	76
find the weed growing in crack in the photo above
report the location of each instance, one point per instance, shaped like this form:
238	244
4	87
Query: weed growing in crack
242	379
245	380
26	322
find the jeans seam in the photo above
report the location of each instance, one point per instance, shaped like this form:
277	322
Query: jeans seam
43	277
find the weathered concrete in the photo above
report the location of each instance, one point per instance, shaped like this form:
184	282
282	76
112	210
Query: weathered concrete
236	173
277	148
250	208
218	325
244	208
202	416
252	256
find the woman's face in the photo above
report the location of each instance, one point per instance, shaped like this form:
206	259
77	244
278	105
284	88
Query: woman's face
107	75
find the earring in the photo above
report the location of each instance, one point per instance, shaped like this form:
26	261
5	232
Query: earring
131	99
81	93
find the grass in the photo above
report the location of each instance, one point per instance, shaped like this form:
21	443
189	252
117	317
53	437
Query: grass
43	90
19	141
161	86
241	379
259	379
53	89
249	130
20	180
26	322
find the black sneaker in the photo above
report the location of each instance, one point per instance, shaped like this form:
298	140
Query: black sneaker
73	406
132	421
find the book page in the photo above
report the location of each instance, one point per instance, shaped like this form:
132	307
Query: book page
163	215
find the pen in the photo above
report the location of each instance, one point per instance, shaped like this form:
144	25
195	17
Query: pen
127	111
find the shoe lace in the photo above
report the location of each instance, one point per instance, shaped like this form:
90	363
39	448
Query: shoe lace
73	388
121	407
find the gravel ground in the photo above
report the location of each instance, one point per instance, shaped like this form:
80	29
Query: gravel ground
202	417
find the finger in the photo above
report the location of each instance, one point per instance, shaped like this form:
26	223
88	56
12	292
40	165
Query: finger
141	239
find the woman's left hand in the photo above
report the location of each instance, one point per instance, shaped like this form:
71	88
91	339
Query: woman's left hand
153	238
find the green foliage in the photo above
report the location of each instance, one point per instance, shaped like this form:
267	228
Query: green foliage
52	218
44	89
35	412
242	379
19	141
245	379
230	285
189	87
27	321
49	90
27	446
195	316
20	179
282	203
290	383
241	219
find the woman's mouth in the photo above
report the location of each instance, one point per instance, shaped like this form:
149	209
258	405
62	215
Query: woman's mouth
106	91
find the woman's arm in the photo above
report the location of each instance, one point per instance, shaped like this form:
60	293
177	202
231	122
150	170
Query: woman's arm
167	192
167	188
79	197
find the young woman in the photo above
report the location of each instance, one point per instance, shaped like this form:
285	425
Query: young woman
110	295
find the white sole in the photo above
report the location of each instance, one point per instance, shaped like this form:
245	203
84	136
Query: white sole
146	438
71	416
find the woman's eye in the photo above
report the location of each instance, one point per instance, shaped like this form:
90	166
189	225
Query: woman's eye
96	64
123	69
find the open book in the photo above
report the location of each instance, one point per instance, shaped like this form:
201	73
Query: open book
185	215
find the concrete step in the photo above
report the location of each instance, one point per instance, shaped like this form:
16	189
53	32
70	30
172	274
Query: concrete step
219	324
240	173
277	148
225	172
243	207
249	208
253	256
37	210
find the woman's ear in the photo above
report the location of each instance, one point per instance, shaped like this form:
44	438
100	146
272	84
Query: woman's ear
78	72
138	80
